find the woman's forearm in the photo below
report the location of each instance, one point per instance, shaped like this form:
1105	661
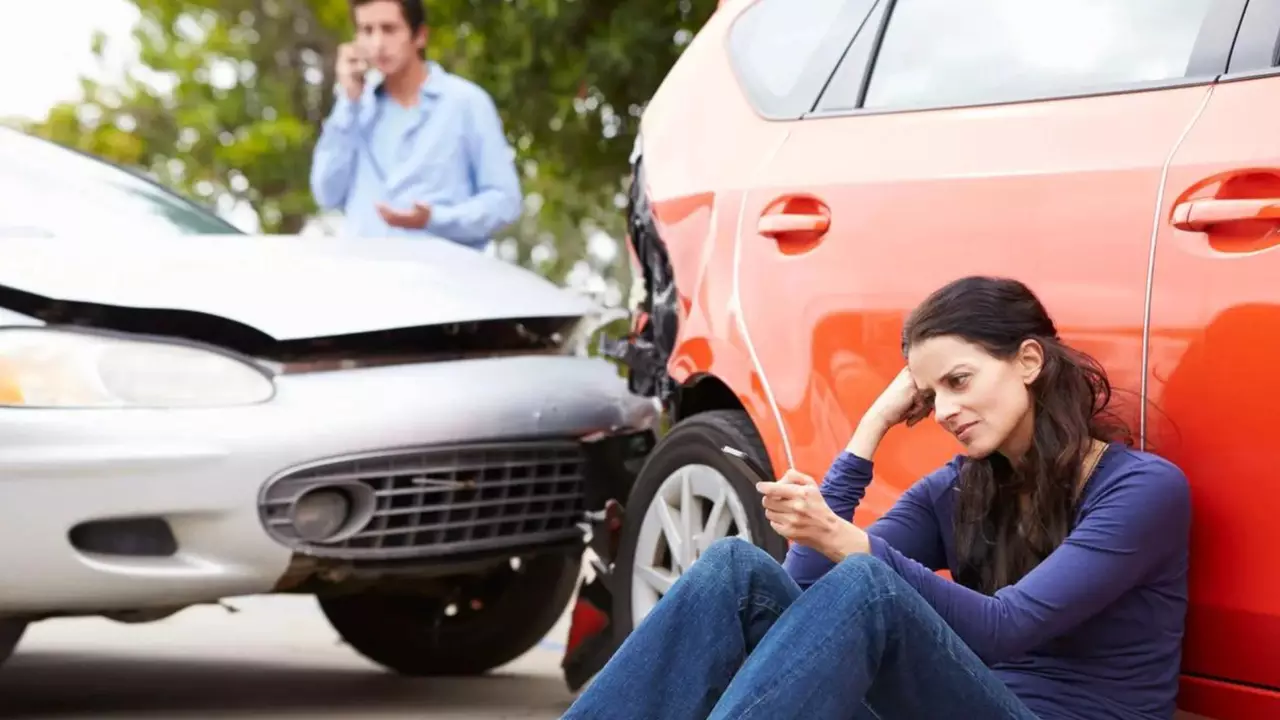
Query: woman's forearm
866	438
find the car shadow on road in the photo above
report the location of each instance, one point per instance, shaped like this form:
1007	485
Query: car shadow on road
58	685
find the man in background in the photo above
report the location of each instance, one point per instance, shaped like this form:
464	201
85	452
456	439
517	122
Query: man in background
420	152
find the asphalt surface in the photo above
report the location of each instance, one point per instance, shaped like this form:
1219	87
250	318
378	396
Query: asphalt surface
274	658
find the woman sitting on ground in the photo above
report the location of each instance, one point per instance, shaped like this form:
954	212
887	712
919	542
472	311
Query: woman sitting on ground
1068	549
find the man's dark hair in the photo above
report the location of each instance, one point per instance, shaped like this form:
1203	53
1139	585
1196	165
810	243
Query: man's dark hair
414	12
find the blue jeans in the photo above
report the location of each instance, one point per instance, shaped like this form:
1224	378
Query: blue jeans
736	638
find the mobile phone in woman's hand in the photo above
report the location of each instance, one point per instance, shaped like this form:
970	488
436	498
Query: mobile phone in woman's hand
748	465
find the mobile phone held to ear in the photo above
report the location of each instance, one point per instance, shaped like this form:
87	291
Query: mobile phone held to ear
747	465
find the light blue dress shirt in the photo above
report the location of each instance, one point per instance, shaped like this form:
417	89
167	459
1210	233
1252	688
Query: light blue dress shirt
448	151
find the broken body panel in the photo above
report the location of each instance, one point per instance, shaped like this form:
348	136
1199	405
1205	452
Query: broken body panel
645	352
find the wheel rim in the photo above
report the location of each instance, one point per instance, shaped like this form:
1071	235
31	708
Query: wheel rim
694	507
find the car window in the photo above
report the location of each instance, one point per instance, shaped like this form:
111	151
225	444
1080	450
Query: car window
1257	46
942	53
783	51
48	191
845	88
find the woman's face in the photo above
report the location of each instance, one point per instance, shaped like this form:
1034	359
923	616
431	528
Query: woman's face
981	399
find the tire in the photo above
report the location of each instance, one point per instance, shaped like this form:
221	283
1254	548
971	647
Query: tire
413	635
10	633
693	442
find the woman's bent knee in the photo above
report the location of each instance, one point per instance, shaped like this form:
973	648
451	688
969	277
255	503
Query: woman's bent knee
736	554
870	573
749	567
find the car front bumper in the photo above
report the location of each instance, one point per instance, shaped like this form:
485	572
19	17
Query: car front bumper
203	472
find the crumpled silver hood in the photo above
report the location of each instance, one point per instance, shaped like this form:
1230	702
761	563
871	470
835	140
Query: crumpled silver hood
288	287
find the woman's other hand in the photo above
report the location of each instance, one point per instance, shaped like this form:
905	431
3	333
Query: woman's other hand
900	402
797	511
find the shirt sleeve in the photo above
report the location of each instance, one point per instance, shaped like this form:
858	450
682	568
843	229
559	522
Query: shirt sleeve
497	200
333	161
910	526
1117	543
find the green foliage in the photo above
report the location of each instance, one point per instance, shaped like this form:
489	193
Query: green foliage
230	94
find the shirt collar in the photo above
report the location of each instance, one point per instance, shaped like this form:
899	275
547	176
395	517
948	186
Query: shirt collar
432	88
436	79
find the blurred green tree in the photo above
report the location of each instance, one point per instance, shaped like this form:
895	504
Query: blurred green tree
227	99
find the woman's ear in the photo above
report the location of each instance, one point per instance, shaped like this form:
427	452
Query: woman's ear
1029	360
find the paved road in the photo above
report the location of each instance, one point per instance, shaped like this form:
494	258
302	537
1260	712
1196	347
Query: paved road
275	658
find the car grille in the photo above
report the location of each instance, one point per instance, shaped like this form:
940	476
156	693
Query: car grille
440	500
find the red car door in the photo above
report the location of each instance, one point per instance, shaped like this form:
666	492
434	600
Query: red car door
1032	154
1214	352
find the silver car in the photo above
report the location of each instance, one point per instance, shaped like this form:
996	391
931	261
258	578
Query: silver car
410	431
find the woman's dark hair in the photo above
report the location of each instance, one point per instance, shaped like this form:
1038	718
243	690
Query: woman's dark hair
998	539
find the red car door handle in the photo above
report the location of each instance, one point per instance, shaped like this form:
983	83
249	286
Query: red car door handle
788	223
1200	215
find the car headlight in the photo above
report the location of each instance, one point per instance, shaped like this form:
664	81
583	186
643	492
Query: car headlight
74	369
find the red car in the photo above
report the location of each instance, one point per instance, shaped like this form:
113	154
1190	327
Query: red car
811	169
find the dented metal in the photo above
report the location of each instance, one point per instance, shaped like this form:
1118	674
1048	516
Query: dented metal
284	288
647	350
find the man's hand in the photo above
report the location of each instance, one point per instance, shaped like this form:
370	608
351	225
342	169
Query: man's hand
797	511
415	219
350	69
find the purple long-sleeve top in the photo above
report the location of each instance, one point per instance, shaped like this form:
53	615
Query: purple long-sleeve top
1095	630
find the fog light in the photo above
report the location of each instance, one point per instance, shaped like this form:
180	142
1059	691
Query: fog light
320	514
